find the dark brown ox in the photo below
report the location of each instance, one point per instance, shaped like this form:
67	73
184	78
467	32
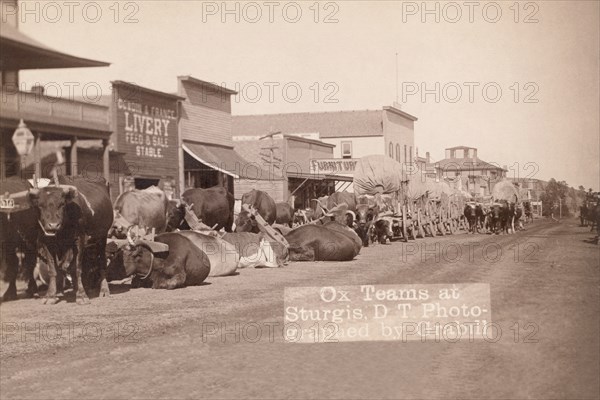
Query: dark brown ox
318	243
144	208
18	234
265	206
349	232
284	213
184	264
73	218
212	206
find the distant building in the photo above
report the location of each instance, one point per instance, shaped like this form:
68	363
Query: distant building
425	166
533	187
463	168
355	134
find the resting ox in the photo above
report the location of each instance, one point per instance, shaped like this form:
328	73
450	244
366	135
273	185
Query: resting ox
145	208
256	250
265	207
184	264
73	218
223	256
348	232
318	243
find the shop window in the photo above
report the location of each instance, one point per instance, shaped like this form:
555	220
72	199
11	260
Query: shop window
346	149
391	150
398	152
405	155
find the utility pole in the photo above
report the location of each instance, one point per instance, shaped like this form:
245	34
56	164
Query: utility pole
270	148
559	208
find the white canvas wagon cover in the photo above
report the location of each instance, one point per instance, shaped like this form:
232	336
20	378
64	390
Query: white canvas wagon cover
378	174
505	190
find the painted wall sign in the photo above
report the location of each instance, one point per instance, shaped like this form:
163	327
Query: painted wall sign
333	166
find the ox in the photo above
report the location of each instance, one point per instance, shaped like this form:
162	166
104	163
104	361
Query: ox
223	256
338	198
348	232
265	207
184	264
144	208
73	218
256	251
212	206
473	213
284	214
18	234
318	243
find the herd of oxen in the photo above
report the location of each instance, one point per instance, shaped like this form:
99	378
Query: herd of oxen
69	233
589	212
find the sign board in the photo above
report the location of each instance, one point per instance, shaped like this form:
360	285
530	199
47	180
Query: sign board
7	203
333	165
23	140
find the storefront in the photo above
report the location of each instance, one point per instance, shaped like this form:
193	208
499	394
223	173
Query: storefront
207	154
293	159
146	135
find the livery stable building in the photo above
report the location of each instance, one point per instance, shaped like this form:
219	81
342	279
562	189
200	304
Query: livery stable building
175	141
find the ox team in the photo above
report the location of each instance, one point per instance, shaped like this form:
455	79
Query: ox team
68	225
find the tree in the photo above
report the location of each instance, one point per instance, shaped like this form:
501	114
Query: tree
554	194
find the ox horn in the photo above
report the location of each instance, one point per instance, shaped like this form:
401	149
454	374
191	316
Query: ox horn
129	238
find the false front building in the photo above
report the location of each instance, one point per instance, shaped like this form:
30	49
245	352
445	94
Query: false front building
329	144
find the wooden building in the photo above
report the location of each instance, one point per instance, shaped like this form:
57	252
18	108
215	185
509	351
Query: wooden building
48	118
145	126
207	155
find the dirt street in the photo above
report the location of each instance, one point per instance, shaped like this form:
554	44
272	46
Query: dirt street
143	343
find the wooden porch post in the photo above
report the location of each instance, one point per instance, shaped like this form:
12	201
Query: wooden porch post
73	158
105	160
37	155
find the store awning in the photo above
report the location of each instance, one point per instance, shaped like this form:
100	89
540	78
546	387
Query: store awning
227	161
19	51
319	177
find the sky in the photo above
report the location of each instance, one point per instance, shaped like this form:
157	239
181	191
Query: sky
517	80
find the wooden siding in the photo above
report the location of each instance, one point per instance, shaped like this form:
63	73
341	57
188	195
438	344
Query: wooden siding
276	189
201	124
150	150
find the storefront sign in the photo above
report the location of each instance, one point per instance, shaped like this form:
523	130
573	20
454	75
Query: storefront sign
333	166
149	128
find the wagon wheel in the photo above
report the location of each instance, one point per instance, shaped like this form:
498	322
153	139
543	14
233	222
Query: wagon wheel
440	221
430	225
420	221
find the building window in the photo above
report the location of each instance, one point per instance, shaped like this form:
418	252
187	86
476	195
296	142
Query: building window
391	150
411	156
346	149
398	152
405	155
